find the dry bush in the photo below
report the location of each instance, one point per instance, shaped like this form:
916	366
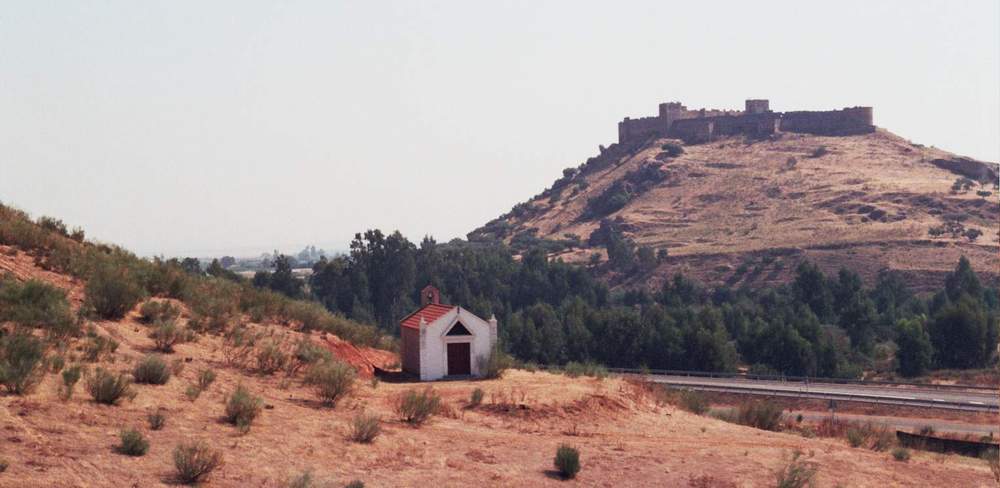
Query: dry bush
70	377
112	290
709	481
901	454
332	380
132	443
270	357
238	346
21	362
36	304
157	419
158	311
151	370
97	348
416	407
797	473
194	462
205	378
476	398
307	353
567	461
167	334
108	388
764	414
365	428
242	407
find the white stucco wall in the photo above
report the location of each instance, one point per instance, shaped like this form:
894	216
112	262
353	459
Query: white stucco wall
433	349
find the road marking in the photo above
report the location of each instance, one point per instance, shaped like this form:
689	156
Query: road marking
937	399
976	403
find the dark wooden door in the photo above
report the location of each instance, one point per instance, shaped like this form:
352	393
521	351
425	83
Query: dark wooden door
459	359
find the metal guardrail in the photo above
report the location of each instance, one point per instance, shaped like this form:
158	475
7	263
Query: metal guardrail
790	379
850	397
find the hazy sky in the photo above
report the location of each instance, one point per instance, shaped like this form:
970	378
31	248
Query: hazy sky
196	128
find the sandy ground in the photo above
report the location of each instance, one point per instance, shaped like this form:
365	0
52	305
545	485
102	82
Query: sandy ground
625	438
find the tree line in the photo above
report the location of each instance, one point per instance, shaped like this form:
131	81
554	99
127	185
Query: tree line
552	312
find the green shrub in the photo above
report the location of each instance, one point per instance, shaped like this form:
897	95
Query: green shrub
195	461
151	370
416	407
157	419
883	439
365	428
132	443
111	290
494	365
763	414
56	364
70	377
819	152
153	311
242	407
567	461
308	353
796	474
355	484
574	369
108	388
901	454
3	465
672	150
332	380
36	304
856	437
476	398
21	362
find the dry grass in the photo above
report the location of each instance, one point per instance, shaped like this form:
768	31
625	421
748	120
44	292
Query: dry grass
625	438
728	202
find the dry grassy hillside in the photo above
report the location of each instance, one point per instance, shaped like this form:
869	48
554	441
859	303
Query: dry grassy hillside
625	436
746	212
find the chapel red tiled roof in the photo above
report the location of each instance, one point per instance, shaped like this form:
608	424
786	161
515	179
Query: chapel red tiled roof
429	312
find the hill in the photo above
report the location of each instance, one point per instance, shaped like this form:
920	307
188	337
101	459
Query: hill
742	210
56	292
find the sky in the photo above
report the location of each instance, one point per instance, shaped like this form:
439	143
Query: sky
189	128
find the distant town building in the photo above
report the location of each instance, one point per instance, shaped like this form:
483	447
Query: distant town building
444	340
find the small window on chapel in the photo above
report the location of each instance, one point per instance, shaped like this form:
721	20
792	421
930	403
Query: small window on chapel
459	330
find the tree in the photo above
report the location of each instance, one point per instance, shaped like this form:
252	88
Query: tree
810	287
963	280
961	336
281	280
915	353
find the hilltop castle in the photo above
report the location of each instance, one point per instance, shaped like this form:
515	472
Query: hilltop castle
757	120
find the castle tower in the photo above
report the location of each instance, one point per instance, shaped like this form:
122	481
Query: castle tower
757	106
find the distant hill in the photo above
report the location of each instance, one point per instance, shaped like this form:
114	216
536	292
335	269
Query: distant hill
743	211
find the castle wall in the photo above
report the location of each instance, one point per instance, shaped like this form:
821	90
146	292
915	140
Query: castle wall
848	121
693	131
675	120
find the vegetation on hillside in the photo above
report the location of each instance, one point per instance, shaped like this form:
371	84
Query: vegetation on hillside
117	280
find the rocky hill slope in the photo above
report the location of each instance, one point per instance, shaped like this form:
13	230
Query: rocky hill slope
740	211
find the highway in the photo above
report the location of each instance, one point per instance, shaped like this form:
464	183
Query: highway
979	400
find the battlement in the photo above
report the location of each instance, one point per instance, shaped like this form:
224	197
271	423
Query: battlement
756	120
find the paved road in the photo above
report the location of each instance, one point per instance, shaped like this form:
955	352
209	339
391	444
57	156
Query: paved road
951	399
